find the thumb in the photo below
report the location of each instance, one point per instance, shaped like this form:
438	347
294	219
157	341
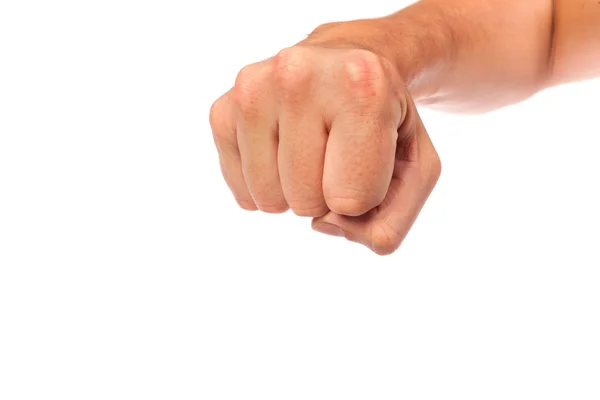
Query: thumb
327	227
383	229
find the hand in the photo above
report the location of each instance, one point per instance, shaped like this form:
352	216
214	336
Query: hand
332	134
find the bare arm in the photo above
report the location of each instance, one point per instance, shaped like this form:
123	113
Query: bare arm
576	43
479	55
329	127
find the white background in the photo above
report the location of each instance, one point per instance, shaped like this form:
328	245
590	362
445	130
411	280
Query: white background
128	272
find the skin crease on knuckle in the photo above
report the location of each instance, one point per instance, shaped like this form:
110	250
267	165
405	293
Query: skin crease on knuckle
308	209
353	205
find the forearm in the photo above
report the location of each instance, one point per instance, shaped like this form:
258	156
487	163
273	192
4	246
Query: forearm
478	55
576	44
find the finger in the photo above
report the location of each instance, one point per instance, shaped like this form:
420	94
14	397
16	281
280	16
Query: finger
417	169
223	126
257	137
359	159
302	134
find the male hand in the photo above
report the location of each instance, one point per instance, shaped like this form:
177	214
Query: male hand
332	134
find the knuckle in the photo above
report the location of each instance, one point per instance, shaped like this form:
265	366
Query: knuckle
292	69
247	87
248	77
364	74
384	240
363	66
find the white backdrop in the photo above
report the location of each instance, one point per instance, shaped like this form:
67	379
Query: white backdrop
127	271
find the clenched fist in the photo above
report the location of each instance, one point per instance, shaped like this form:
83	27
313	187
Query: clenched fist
331	134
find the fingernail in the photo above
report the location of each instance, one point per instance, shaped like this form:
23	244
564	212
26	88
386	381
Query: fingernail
329	229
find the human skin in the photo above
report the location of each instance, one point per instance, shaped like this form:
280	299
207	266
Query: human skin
329	127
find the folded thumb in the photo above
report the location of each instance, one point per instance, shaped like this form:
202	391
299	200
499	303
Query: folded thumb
328	228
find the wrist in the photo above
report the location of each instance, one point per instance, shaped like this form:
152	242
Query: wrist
368	34
393	37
